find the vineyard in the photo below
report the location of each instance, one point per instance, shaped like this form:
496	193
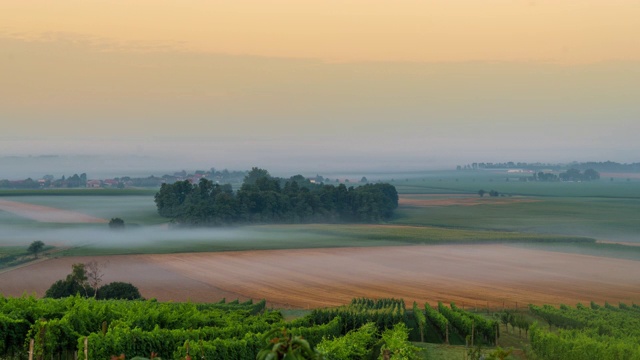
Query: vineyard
594	332
79	328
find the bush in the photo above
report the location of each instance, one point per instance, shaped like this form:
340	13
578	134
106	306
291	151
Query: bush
118	290
116	224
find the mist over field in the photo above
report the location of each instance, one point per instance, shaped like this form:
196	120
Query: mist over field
129	238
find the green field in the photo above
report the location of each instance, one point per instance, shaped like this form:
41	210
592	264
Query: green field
78	192
471	181
276	237
133	207
549	213
603	218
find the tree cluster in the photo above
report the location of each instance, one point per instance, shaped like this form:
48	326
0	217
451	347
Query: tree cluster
85	280
576	175
266	199
492	193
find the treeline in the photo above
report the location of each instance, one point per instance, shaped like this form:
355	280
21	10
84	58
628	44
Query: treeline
266	199
47	181
569	175
604	166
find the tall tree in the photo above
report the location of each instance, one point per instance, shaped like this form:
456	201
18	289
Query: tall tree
94	272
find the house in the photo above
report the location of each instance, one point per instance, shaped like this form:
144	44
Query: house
94	183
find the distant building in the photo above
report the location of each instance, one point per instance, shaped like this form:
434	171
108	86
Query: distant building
94	183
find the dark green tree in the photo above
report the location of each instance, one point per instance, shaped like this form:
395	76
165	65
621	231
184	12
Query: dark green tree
118	290
255	174
75	283
116	224
591	174
266	199
35	248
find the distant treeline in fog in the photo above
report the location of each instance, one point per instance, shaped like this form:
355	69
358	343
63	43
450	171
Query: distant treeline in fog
266	199
606	166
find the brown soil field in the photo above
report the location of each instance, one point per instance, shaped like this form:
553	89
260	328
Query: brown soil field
421	200
470	275
47	214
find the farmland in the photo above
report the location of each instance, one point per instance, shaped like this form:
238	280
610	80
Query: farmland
364	328
541	243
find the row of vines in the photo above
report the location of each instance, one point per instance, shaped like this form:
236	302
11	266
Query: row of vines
587	332
66	328
71	327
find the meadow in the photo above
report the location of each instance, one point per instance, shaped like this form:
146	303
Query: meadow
435	208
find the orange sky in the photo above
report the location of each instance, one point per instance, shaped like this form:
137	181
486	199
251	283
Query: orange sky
418	80
564	31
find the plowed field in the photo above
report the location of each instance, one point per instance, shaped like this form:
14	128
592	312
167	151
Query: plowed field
470	275
47	214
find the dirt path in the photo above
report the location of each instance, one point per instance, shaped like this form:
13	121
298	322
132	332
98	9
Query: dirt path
470	275
47	214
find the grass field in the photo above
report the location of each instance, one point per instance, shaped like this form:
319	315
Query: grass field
603	218
133	208
471	182
555	212
275	237
78	192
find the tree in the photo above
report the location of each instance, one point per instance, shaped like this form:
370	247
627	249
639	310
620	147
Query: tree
116	224
364	180
481	192
591	174
75	283
95	272
35	248
255	174
118	290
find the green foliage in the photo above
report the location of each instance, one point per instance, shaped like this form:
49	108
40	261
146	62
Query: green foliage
75	283
499	354
421	320
385	313
118	290
134	328
315	333
263	198
35	248
396	342
436	317
596	332
356	344
281	344
464	322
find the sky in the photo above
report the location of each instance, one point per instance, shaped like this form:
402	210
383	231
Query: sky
314	85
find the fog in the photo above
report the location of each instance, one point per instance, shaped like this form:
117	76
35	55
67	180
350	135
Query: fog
120	112
159	238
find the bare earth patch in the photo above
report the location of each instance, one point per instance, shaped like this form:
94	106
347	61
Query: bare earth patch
421	200
470	275
47	214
